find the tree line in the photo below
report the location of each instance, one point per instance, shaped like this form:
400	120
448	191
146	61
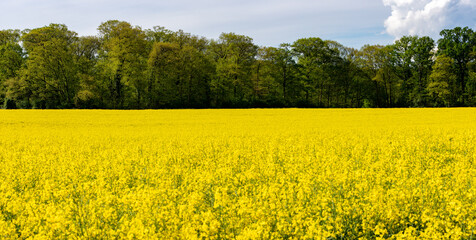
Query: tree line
126	67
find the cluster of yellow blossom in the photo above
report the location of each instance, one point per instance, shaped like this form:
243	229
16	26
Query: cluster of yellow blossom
244	174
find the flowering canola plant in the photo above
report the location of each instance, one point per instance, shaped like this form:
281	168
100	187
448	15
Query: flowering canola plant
238	174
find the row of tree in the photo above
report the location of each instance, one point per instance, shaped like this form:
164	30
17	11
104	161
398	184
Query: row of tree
127	67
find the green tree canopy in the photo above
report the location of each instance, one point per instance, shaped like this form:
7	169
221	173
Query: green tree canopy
459	44
123	63
50	75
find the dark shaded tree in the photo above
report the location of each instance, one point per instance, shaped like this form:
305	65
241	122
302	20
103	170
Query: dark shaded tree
459	44
11	61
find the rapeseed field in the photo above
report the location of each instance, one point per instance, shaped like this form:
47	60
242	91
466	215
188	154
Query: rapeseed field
238	174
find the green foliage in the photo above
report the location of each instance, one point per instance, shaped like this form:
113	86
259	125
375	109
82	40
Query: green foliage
471	88
459	44
367	104
122	64
320	66
412	58
11	60
441	80
50	74
128	67
274	76
234	56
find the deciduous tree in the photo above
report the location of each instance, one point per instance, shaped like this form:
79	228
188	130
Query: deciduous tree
51	71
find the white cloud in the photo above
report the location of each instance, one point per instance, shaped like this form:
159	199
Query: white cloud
428	17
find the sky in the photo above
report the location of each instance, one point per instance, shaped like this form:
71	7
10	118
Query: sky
269	22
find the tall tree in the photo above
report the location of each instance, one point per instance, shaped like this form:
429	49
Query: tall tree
316	58
343	71
442	81
357	85
371	64
385	75
11	61
423	52
285	62
403	52
459	44
277	69
163	82
123	63
178	76
51	71
234	56
412	58
86	54
179	69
